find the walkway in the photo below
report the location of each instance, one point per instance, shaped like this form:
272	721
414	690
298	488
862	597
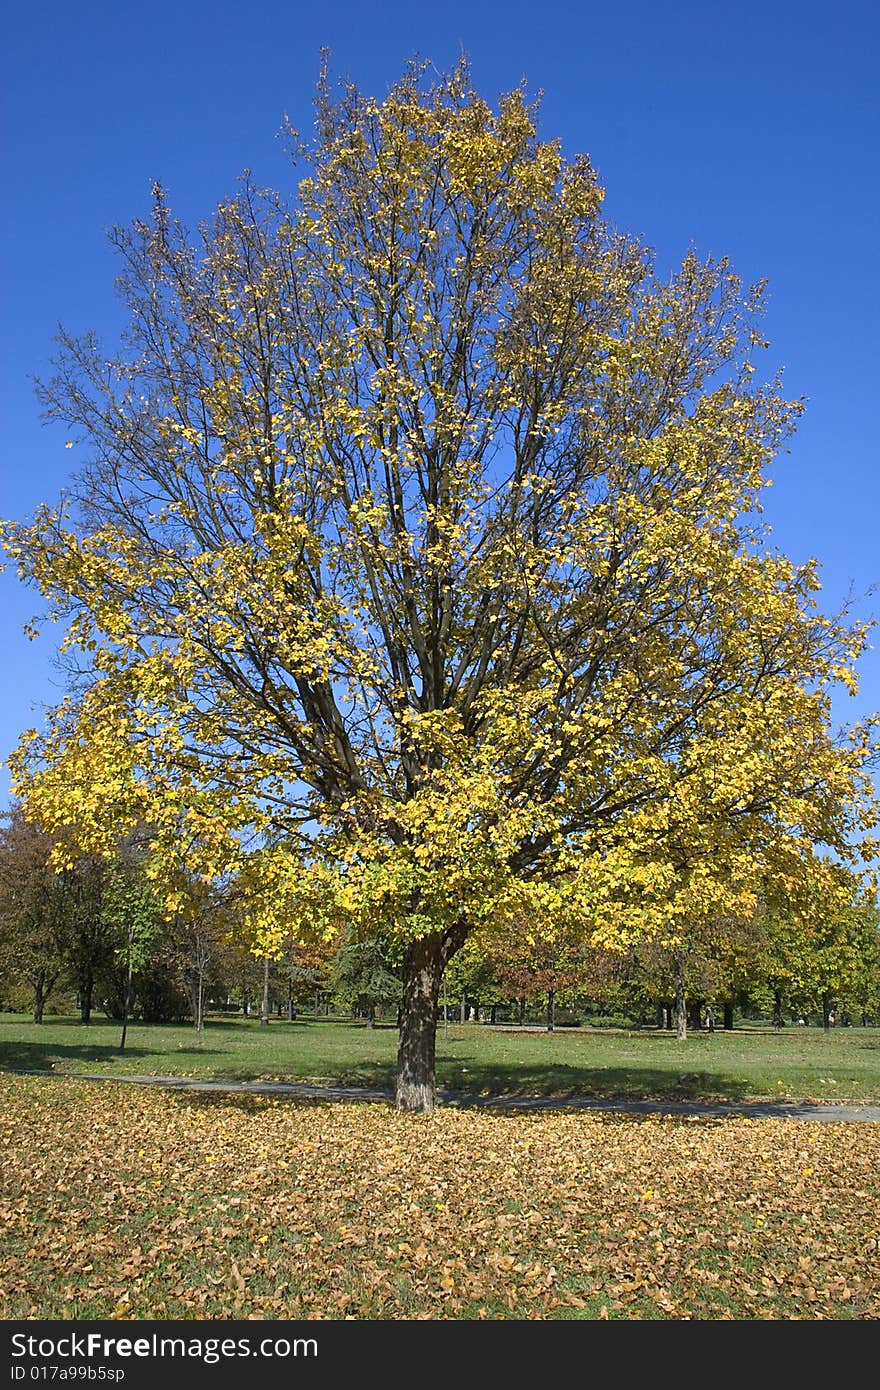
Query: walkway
719	1109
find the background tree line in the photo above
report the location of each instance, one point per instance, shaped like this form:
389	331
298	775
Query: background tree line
95	936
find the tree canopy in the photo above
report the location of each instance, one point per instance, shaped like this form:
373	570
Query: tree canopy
417	559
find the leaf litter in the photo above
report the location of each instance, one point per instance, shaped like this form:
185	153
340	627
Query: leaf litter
128	1203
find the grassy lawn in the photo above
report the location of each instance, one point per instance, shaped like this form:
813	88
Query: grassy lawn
794	1063
122	1202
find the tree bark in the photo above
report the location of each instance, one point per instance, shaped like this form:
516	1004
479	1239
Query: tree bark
680	1000
39	1001
728	1017
778	1020
551	1010
86	992
423	965
200	1003
126	1005
264	1011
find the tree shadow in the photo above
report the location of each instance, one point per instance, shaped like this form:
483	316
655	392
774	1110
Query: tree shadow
558	1080
43	1056
470	1076
235	1025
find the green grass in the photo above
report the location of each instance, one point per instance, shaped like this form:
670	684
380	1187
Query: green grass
795	1063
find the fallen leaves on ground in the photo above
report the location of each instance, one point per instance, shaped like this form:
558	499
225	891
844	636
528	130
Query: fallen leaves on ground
118	1202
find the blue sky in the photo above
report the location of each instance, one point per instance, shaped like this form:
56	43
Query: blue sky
744	129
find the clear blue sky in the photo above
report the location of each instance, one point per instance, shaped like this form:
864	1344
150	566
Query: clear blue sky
749	129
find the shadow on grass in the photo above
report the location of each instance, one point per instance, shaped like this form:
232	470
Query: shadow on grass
235	1025
41	1056
470	1077
559	1080
465	1076
235	1022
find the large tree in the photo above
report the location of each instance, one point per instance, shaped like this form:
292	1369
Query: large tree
418	541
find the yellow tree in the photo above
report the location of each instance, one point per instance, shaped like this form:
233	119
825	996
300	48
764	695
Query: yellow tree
417	539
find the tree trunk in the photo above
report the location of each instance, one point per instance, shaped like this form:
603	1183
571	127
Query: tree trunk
680	1000
200	1003
423	965
86	992
39	1000
522	1012
661	1016
551	1010
778	1020
827	1015
422	971
126	1005
462	1017
264	1011
728	1017
695	1015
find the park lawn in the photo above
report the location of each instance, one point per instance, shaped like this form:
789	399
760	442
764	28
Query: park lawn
842	1064
127	1202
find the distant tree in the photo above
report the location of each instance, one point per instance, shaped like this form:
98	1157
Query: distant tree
471	979
90	937
201	927
134	911
529	963
711	965
36	909
363	978
823	949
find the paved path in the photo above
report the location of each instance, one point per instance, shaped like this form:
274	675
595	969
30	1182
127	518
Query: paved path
757	1109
